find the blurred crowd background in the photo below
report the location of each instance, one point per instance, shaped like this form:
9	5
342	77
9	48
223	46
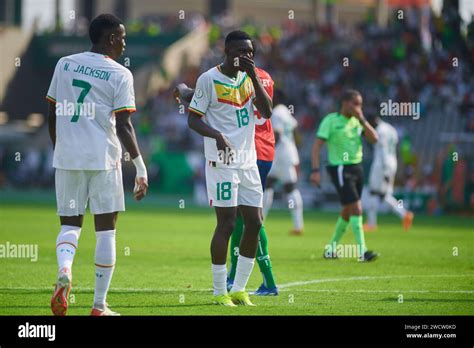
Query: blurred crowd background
409	52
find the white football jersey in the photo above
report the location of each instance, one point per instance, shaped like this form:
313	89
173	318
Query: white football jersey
226	104
87	89
385	149
284	124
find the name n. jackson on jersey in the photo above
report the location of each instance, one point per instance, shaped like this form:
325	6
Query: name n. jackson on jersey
81	83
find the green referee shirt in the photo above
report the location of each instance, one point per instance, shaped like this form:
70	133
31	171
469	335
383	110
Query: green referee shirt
343	138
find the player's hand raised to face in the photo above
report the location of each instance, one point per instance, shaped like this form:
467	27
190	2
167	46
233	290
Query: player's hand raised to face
358	113
141	188
247	65
315	179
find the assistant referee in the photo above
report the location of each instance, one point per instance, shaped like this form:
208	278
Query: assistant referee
342	132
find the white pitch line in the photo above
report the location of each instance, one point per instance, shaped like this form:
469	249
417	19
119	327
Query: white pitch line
364	291
282	287
330	280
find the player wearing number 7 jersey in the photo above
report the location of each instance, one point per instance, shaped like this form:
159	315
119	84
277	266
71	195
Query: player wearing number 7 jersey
222	111
91	99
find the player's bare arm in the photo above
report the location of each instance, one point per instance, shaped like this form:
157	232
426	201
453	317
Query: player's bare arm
370	133
262	101
315	162
52	122
126	134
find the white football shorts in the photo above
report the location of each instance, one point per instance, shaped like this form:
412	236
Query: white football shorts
102	189
283	167
233	187
283	171
380	184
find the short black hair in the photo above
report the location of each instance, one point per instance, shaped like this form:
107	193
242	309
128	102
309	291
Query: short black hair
237	35
101	23
350	93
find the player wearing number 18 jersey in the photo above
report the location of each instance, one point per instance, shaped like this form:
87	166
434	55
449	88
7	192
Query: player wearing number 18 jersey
91	99
222	111
265	148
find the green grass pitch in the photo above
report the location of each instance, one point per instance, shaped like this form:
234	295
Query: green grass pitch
163	266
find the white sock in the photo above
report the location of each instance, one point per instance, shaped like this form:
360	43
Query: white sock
393	203
267	201
219	278
66	245
104	265
242	273
295	204
372	207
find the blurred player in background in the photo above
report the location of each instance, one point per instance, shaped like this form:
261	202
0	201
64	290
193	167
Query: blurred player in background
87	153
222	111
285	164
342	132
382	176
265	147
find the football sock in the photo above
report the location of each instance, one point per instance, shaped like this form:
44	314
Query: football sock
242	275
356	223
263	260
267	201
372	206
66	245
340	229
393	203
219	279
295	203
234	245
104	265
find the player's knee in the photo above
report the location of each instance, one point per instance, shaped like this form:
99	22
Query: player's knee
226	227
254	223
69	234
356	208
289	187
269	183
345	213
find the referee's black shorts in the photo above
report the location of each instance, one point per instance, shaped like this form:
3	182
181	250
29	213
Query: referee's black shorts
348	180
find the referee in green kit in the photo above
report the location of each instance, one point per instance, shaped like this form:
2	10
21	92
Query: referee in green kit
342	132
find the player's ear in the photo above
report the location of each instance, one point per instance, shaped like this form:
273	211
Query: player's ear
111	38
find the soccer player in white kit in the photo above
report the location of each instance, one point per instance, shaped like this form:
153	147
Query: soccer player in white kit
91	99
284	165
382	176
221	110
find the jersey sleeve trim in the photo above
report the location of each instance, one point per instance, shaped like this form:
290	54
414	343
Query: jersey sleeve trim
51	99
126	108
199	113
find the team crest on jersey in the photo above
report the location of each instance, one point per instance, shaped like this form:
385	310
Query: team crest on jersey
236	95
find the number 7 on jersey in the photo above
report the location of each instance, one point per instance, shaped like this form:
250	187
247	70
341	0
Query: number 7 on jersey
86	87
